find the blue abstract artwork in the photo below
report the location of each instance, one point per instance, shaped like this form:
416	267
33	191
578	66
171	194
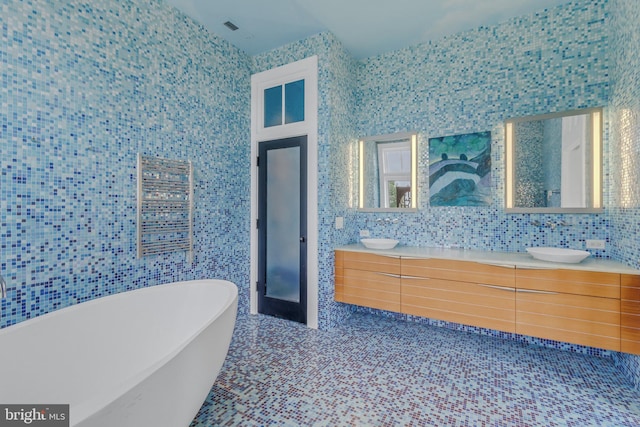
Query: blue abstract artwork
460	170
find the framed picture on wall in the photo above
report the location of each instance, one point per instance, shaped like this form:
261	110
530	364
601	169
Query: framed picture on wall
460	170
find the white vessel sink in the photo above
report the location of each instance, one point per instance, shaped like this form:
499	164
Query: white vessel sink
572	256
379	243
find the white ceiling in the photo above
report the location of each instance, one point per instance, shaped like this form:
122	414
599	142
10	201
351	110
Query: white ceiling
365	27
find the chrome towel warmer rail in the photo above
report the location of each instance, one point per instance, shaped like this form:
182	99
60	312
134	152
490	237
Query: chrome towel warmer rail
165	206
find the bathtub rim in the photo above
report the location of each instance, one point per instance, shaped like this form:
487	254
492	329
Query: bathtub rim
87	408
84	409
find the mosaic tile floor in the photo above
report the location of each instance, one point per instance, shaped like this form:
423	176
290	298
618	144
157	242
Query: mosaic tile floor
379	372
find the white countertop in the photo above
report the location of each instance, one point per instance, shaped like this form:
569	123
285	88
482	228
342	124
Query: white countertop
506	259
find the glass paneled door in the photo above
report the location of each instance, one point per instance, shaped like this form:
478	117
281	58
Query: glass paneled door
282	228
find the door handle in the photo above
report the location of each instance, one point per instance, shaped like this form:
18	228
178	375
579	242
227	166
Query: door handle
303	239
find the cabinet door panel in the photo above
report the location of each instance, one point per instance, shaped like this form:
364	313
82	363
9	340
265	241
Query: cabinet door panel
367	280
630	280
371	289
372	280
577	319
630	345
630	337
630	334
630	326
632	294
497	324
631	308
575	282
569	324
462	271
448	290
630	313
459	302
605	310
371	262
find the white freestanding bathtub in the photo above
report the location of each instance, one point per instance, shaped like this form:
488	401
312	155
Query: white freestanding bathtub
141	358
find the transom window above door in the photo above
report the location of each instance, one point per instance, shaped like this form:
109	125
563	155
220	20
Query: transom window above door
284	104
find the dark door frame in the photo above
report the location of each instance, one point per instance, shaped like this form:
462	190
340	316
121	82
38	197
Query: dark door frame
273	306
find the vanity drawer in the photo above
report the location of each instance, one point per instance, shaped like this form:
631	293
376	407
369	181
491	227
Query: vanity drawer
630	287
461	271
371	262
578	319
368	280
460	302
578	282
371	289
630	314
630	327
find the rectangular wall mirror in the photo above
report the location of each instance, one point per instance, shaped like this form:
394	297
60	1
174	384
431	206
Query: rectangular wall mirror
554	162
388	172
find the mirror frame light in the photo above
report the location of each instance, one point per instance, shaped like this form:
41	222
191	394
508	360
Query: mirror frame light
413	138
596	163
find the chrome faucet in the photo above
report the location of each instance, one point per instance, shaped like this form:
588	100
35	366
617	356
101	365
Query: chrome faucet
550	224
387	220
3	288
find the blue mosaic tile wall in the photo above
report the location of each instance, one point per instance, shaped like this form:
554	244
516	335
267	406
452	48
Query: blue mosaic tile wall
85	86
550	61
337	176
625	147
581	54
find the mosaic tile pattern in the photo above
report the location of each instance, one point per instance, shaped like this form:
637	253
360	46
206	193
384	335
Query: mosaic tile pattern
372	371
481	76
625	122
84	87
475	80
336	147
558	345
625	149
471	82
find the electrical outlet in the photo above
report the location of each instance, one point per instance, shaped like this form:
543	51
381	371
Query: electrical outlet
339	223
595	244
364	233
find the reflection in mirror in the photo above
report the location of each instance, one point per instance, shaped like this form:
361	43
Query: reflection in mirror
554	162
388	172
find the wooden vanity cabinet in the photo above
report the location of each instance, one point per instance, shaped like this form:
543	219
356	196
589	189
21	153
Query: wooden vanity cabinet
590	308
459	291
580	307
367	280
630	314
